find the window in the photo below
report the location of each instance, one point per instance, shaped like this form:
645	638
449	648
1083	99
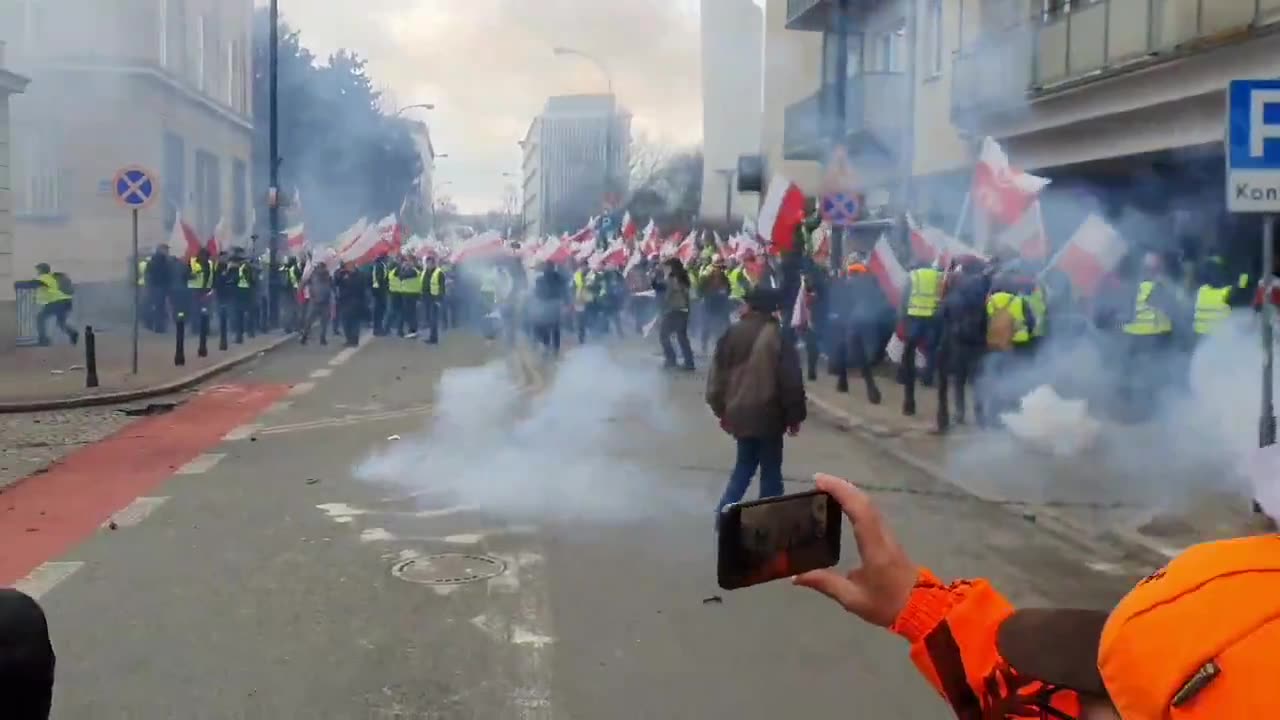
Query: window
174	177
887	50
831	49
933	39
239	197
41	181
208	196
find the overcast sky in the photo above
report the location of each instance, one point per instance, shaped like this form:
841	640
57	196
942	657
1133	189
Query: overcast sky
487	65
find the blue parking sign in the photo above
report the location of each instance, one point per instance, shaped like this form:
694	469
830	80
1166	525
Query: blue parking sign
1253	146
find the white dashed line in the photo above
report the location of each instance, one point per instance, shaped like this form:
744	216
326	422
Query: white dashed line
345	354
46	577
242	432
376	535
201	464
136	511
301	388
321	373
279	407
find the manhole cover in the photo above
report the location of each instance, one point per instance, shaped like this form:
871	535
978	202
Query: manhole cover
448	569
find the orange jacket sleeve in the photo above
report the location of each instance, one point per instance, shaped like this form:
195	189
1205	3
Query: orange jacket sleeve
952	631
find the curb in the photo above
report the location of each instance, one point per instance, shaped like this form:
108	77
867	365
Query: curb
1046	518
173	386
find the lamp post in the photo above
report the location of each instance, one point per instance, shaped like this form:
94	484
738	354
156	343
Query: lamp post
608	130
728	174
273	160
424	106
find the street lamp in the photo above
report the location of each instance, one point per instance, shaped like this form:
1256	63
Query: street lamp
424	106
608	130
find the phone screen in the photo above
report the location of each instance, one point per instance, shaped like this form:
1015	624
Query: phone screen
778	537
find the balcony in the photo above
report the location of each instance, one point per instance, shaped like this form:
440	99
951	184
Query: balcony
1005	69
874	106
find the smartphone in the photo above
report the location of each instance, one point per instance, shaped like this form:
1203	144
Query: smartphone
777	537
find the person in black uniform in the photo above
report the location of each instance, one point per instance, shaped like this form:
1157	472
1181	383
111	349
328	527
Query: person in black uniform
964	337
350	285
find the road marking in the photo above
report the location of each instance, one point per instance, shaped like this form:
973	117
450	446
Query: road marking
321	373
46	577
376	535
202	463
301	389
135	512
347	420
342	512
243	432
277	408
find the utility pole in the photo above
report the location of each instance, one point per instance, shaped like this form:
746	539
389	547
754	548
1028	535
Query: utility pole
727	174
273	151
839	127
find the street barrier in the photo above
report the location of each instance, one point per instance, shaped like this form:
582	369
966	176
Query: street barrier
90	358
203	349
27	311
180	352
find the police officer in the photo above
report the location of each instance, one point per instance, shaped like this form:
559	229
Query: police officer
1010	329
964	338
1213	299
199	272
243	297
918	311
1149	336
434	298
53	297
857	310
380	289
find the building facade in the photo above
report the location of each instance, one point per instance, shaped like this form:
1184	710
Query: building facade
732	101
574	152
418	211
1120	102
10	84
165	84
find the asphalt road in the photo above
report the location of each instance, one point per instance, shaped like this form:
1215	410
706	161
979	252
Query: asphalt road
573	507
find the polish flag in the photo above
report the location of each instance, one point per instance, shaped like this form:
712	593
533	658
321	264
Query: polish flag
1006	203
780	214
688	249
615	258
931	244
485	246
221	237
376	240
628	226
350	236
1094	250
800	311
183	235
888	271
296	240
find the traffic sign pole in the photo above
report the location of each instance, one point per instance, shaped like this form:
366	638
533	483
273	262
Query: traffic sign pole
1267	423
137	290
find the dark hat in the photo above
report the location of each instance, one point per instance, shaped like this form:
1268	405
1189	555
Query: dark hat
764	299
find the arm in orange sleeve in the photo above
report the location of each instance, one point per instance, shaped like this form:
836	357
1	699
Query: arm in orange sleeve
952	631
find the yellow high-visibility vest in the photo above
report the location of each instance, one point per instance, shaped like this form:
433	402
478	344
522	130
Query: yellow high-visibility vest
199	279
738	283
1211	308
582	285
1147	320
926	293
49	291
1017	309
246	274
394	283
142	273
437	282
413	285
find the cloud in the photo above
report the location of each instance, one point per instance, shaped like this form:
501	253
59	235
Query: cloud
488	67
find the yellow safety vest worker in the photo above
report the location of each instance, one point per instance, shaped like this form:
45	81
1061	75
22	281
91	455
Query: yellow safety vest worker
246	273
1039	306
738	284
437	282
412	285
198	279
394	283
49	291
142	273
1211	308
1243	281
582	285
926	292
1017	310
1147	320
295	277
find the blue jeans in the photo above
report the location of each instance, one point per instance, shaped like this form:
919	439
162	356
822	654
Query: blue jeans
765	453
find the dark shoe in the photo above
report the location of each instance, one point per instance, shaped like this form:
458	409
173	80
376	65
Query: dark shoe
323	340
813	375
909	408
873	395
302	340
842	386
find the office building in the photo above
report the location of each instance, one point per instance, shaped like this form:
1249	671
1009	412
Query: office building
10	84
570	151
418	211
732	101
165	84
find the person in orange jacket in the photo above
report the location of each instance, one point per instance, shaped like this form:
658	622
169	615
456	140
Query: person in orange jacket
1195	640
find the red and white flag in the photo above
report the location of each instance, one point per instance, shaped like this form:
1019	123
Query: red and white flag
184	236
350	236
296	240
1094	250
1006	203
688	249
221	238
628	226
934	245
892	277
780	213
800	311
485	246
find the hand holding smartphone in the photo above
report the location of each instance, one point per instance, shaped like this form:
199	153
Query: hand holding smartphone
777	537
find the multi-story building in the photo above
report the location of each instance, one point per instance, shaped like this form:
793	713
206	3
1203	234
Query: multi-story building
1120	101
165	84
576	153
10	84
418	207
732	54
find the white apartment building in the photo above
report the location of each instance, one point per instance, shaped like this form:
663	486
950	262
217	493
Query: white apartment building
565	169
1111	98
10	84
161	83
732	54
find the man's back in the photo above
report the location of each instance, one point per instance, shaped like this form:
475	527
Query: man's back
755	385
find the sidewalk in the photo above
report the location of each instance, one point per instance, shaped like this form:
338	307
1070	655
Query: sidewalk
1130	489
55	376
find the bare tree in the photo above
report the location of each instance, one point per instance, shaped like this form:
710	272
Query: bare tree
647	159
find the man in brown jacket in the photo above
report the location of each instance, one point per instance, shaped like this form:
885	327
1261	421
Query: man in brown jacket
756	390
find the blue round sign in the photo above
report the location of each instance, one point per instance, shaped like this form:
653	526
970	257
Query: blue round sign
840	208
134	187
